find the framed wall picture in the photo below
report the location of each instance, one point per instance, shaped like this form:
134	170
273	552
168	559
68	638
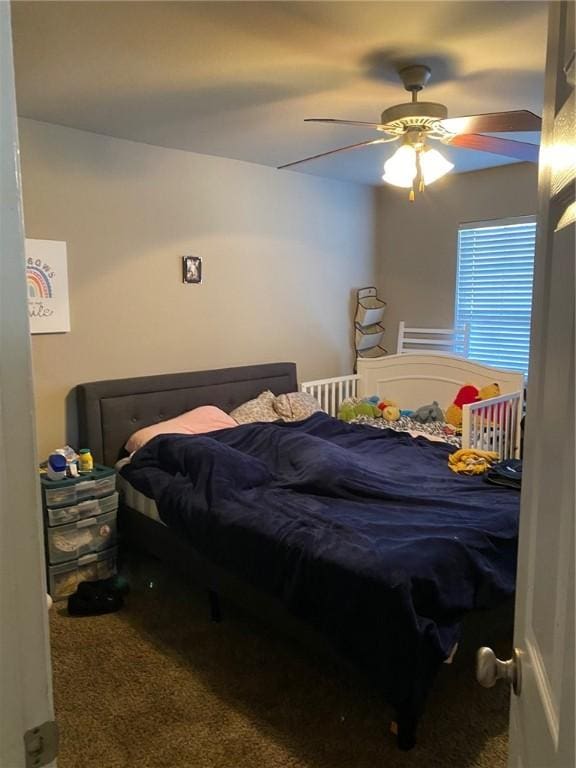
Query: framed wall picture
191	269
47	286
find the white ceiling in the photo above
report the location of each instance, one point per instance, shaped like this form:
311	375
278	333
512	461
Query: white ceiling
236	79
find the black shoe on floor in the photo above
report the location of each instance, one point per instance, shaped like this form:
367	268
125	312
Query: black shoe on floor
94	603
115	585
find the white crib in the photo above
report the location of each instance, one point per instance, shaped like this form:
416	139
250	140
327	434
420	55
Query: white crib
419	378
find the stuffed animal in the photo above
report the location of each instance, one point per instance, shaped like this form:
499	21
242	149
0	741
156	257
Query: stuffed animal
466	394
490	390
371	407
382	404
391	413
366	408
427	413
349	410
495	412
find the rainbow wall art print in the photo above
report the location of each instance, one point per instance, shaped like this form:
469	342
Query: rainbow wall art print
47	286
39	282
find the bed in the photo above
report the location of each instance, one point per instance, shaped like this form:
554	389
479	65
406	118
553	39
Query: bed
319	527
417	378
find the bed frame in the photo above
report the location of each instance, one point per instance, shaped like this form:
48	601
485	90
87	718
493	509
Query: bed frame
110	411
418	378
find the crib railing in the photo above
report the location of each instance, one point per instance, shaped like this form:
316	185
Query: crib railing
490	425
331	392
494	425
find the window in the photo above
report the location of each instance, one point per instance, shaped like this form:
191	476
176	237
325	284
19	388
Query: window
494	290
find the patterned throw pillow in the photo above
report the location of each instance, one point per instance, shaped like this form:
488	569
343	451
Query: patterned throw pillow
296	406
259	409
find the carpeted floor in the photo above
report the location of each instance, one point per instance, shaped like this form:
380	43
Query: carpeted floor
158	685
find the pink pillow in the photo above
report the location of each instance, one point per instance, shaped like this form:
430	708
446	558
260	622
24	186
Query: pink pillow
207	418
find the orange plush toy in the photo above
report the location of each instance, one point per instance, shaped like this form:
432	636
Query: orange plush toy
466	394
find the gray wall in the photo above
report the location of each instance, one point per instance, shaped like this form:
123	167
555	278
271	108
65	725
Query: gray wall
417	242
282	253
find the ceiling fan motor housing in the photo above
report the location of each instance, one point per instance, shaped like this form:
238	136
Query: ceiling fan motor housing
420	114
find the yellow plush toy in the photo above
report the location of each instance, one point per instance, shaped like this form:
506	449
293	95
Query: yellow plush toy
490	390
494	412
391	413
466	394
469	394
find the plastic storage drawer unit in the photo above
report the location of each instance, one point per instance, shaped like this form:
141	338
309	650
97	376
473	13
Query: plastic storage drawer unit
82	510
63	579
69	542
64	493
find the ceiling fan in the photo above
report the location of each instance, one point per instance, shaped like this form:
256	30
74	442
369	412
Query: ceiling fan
417	124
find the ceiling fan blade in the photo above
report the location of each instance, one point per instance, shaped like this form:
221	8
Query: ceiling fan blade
339	122
519	149
494	122
334	151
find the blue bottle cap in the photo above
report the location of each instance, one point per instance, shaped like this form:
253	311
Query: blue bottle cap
57	462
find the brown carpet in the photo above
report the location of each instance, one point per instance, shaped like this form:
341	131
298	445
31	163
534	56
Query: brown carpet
158	685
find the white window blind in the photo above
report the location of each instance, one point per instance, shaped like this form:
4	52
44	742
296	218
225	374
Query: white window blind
494	290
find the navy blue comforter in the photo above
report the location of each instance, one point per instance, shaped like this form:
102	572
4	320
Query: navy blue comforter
365	534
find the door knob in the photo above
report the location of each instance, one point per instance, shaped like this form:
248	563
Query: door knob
489	669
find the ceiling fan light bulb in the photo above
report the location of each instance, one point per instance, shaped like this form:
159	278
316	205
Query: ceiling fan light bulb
400	169
434	165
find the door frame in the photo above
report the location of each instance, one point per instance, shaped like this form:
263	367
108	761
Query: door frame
25	670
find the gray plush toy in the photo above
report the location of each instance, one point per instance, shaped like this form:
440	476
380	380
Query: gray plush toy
428	413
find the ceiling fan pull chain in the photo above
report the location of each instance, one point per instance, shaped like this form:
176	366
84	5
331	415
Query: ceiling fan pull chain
412	194
418	179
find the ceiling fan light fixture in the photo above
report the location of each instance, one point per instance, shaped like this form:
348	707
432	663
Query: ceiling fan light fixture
400	169
434	165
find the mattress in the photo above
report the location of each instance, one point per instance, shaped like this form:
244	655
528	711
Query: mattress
135	499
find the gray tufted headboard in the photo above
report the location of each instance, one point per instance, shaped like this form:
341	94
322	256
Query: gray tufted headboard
110	411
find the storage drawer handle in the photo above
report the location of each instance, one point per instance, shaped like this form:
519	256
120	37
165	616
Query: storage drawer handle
87	503
86	523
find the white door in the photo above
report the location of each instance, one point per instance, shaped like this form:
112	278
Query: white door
542	728
26	710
